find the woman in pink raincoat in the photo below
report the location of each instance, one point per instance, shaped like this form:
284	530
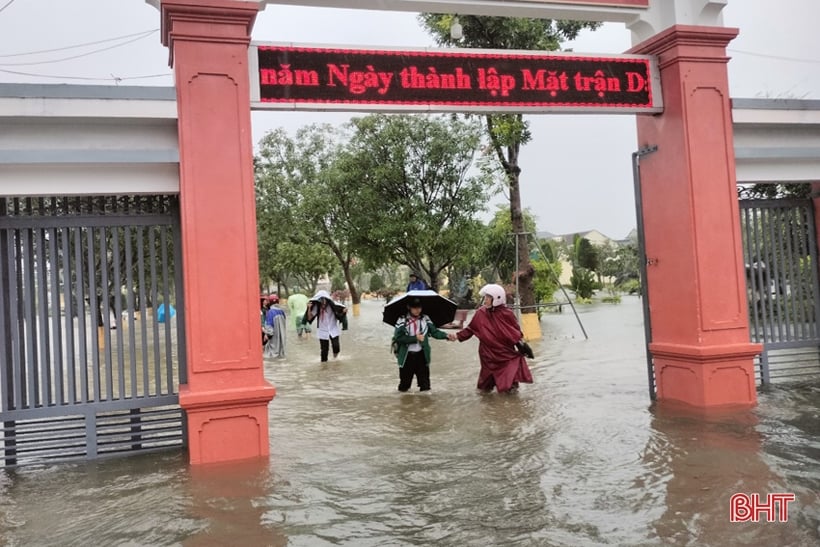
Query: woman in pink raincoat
497	330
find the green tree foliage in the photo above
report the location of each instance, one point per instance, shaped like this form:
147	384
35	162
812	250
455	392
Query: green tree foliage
376	283
508	132
619	262
337	283
499	251
582	282
775	191
547	275
411	194
304	262
584	266
297	202
549	249
586	255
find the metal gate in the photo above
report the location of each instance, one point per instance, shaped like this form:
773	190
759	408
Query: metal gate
780	251
91	329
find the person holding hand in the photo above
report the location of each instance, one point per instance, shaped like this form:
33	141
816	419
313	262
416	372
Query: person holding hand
411	339
502	365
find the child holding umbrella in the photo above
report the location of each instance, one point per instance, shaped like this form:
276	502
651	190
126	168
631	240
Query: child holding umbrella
411	338
331	318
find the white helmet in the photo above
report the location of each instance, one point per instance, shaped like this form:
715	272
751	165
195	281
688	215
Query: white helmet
496	292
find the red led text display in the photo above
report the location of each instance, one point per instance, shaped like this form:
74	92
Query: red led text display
450	80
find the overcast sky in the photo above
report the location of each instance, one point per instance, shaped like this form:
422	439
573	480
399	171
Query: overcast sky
576	172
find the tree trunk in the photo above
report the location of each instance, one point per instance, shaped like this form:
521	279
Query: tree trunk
524	269
351	285
434	278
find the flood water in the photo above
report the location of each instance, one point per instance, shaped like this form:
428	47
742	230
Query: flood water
580	457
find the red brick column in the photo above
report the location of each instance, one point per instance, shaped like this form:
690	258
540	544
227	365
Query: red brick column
697	293
226	397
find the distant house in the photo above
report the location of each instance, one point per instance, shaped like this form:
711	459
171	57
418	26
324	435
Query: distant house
595	237
631	238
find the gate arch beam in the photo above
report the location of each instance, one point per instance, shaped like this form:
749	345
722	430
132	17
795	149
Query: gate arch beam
644	22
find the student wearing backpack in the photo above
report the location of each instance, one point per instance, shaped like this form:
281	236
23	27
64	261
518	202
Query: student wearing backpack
331	319
411	340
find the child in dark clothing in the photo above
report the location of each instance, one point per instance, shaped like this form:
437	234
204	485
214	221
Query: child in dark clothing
413	348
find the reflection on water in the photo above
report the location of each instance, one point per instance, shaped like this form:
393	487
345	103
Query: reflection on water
579	457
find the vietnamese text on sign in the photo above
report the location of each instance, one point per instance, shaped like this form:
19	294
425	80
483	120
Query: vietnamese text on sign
287	76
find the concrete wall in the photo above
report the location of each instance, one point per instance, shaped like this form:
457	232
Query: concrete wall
70	140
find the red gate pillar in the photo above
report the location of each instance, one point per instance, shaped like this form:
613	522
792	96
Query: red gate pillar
226	396
695	275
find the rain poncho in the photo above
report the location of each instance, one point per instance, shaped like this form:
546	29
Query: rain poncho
297	304
497	330
274	327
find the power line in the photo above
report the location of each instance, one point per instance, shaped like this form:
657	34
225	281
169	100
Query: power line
778	57
143	33
10	2
144	77
84	78
48	76
80	54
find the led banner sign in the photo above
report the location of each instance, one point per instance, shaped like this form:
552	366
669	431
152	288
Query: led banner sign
329	78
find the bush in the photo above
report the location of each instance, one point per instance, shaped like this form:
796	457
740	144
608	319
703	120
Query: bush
582	283
386	293
376	283
630	286
612	297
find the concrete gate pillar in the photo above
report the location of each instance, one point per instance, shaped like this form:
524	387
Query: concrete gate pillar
226	396
696	282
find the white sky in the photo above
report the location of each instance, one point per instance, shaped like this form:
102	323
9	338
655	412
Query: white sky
576	173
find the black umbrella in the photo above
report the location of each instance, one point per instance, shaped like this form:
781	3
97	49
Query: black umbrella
439	309
338	307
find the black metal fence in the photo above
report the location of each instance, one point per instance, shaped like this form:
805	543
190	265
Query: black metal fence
780	251
91	329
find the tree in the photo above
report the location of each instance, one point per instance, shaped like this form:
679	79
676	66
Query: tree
376	283
508	132
774	191
619	262
586	255
499	251
584	266
546	280
297	209
409	190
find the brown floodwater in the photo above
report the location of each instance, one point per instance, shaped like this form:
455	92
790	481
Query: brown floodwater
580	457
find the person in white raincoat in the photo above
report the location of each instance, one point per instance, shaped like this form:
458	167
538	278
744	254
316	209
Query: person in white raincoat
331	319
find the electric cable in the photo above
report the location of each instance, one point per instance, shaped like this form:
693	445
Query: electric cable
86	54
84	78
75	46
777	57
10	2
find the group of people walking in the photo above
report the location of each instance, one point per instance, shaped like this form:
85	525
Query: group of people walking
330	316
501	349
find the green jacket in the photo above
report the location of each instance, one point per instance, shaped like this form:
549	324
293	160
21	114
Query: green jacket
403	339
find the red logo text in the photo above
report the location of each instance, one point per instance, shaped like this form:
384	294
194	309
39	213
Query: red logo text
752	507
